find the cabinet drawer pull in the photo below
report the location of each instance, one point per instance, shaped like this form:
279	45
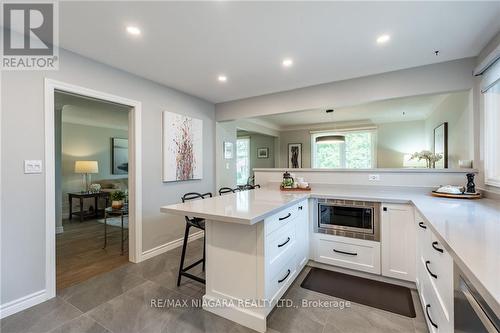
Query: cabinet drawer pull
422	225
427	262
348	253
300	207
287	240
429	317
434	246
284	278
284	218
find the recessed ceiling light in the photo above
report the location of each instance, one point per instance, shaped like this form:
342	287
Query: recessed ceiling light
287	62
222	78
383	39
133	30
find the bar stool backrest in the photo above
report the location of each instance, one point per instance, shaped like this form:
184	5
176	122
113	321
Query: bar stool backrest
195	195
224	190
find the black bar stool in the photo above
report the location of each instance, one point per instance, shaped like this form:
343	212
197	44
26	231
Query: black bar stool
224	190
196	223
250	187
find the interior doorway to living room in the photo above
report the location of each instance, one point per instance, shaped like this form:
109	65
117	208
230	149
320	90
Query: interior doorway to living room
91	168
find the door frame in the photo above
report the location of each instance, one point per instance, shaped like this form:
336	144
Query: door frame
135	178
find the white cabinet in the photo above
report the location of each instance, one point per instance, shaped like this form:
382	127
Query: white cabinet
359	254
434	279
302	234
398	241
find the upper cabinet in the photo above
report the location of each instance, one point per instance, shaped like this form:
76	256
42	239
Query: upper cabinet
398	241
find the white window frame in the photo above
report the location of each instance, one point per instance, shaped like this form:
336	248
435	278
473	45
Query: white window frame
246	138
491	128
372	130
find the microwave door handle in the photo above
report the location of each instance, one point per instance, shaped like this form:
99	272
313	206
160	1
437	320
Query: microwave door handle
477	308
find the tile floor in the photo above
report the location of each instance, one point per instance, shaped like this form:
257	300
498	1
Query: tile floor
119	301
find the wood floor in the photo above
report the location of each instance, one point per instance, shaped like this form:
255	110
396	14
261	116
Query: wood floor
79	252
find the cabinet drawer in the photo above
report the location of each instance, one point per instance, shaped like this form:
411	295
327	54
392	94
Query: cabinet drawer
281	218
434	313
280	247
277	284
350	253
438	267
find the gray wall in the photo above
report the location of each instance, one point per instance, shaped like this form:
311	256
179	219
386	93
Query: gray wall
226	168
81	142
259	141
22	137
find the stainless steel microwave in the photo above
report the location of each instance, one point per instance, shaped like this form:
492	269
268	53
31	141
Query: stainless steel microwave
348	218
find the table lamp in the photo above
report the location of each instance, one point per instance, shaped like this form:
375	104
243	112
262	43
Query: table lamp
86	168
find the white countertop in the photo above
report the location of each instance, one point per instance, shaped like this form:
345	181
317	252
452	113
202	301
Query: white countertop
469	229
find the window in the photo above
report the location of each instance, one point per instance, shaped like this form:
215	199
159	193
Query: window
492	134
352	150
242	160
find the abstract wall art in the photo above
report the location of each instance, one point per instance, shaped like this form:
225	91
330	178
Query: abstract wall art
182	147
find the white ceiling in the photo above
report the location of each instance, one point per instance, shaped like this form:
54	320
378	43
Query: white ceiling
91	112
392	110
186	45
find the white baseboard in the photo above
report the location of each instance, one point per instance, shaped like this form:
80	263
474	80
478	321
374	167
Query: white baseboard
22	303
59	229
169	246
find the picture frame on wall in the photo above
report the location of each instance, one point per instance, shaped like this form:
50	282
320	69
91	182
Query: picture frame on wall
119	156
295	155
182	147
441	145
228	150
263	152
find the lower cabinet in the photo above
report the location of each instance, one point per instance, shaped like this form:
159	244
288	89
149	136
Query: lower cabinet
359	254
398	241
434	279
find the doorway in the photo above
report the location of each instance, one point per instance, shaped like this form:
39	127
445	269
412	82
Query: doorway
88	227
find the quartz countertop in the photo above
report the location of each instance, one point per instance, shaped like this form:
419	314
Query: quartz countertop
469	229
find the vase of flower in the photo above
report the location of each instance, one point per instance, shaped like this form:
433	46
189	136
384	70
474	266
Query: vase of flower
429	157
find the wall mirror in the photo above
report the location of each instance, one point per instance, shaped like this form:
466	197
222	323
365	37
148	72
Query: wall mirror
427	131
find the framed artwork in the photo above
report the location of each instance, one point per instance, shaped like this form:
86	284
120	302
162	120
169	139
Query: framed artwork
182	147
441	145
262	152
119	156
228	150
295	155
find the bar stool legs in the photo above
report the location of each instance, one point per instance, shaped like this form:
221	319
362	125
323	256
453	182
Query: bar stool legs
183	271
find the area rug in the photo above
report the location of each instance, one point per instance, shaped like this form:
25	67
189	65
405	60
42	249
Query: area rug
380	295
116	221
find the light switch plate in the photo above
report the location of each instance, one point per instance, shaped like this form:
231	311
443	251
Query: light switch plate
374	177
32	166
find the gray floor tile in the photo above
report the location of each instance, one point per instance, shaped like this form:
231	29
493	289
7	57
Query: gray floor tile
102	288
132	311
40	318
82	324
198	320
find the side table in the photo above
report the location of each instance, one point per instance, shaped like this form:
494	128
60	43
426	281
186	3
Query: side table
122	212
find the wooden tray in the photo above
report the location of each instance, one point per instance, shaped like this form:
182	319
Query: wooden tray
295	189
457	196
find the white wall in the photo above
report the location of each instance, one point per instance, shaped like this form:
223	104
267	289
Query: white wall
226	168
22	137
436	78
455	110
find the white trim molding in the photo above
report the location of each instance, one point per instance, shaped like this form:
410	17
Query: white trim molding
135	177
23	303
170	245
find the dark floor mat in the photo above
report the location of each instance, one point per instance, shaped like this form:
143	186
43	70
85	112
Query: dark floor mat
373	293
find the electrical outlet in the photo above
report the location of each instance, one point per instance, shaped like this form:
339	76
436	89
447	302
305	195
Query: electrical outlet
32	166
374	177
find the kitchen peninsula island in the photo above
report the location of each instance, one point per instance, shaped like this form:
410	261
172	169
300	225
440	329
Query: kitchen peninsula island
258	241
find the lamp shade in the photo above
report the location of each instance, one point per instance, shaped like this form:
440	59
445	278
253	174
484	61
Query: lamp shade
86	167
330	139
